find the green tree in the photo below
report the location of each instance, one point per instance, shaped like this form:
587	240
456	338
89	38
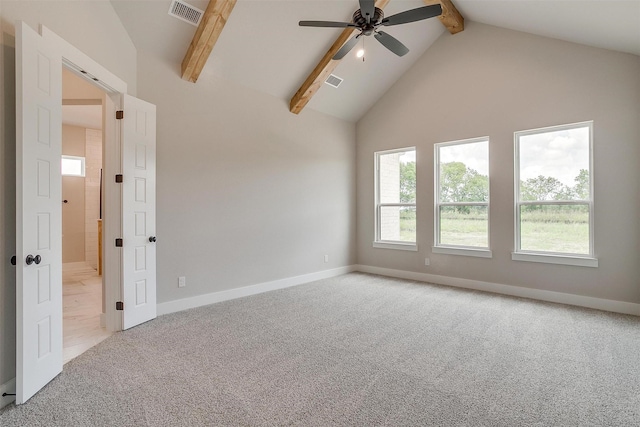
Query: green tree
581	188
458	183
408	182
542	188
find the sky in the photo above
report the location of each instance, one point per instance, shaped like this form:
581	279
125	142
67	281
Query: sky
474	155
560	154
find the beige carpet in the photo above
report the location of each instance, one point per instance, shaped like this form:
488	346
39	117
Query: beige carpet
355	350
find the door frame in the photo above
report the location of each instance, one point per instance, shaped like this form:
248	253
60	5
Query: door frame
89	70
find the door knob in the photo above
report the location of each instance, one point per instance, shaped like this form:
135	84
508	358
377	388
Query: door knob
33	259
152	239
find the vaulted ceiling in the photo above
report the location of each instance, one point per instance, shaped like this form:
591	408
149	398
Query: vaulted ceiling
262	46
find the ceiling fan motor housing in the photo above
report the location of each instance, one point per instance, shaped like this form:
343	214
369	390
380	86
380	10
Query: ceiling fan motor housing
361	21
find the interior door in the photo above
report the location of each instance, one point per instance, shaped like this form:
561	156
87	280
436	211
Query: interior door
38	212
138	211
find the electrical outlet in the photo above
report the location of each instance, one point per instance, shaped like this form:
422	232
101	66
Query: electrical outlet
182	282
326	258
427	261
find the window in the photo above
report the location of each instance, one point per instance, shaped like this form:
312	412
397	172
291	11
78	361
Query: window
462	197
554	196
72	166
396	199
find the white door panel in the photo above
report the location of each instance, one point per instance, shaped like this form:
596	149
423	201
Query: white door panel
138	211
38	212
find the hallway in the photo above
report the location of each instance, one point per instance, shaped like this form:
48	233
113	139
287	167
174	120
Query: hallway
82	305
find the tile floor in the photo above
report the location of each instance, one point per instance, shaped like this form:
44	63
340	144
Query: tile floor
82	305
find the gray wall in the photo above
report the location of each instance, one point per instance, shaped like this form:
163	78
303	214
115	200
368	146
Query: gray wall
94	28
492	81
247	192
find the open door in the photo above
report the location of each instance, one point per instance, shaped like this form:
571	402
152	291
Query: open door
38	212
138	211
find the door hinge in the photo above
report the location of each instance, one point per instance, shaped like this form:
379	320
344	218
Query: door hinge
119	178
119	114
119	243
119	305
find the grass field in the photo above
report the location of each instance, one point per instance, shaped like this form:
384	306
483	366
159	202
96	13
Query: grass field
550	229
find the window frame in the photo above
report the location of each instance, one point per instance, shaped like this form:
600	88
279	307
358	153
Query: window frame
565	258
82	160
438	247
377	241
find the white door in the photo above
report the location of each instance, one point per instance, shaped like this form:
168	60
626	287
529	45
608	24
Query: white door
138	211
38	212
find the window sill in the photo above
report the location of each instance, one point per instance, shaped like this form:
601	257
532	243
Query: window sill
480	253
555	259
397	246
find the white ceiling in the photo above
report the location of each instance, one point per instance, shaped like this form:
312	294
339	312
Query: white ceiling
84	116
262	46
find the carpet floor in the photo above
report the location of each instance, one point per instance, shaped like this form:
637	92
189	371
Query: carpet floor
359	350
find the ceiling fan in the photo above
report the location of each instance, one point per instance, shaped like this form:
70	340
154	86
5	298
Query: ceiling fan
369	18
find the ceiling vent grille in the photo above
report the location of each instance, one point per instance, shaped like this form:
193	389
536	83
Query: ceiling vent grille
185	12
333	80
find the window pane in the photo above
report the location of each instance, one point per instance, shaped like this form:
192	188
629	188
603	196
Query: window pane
464	172
398	223
554	165
555	228
464	226
397	177
72	166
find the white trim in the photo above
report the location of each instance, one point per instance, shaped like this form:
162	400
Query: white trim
555	259
518	203
214	297
397	246
77	60
8	387
517	291
480	253
377	206
437	204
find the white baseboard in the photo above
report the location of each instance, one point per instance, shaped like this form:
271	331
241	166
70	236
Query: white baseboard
517	291
8	387
200	300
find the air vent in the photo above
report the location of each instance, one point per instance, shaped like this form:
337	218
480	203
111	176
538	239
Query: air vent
333	80
185	12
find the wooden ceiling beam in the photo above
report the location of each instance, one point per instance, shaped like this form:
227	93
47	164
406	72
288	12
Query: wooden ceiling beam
450	18
323	69
211	25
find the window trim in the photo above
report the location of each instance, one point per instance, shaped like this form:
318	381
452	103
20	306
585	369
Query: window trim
82	165
518	254
377	241
475	251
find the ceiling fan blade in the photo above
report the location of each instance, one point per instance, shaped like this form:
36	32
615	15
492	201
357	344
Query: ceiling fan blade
391	43
413	15
346	48
367	7
330	24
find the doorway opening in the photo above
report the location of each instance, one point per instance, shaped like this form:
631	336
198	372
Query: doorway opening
82	209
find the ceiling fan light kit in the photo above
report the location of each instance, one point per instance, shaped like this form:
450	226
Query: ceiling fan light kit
369	18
